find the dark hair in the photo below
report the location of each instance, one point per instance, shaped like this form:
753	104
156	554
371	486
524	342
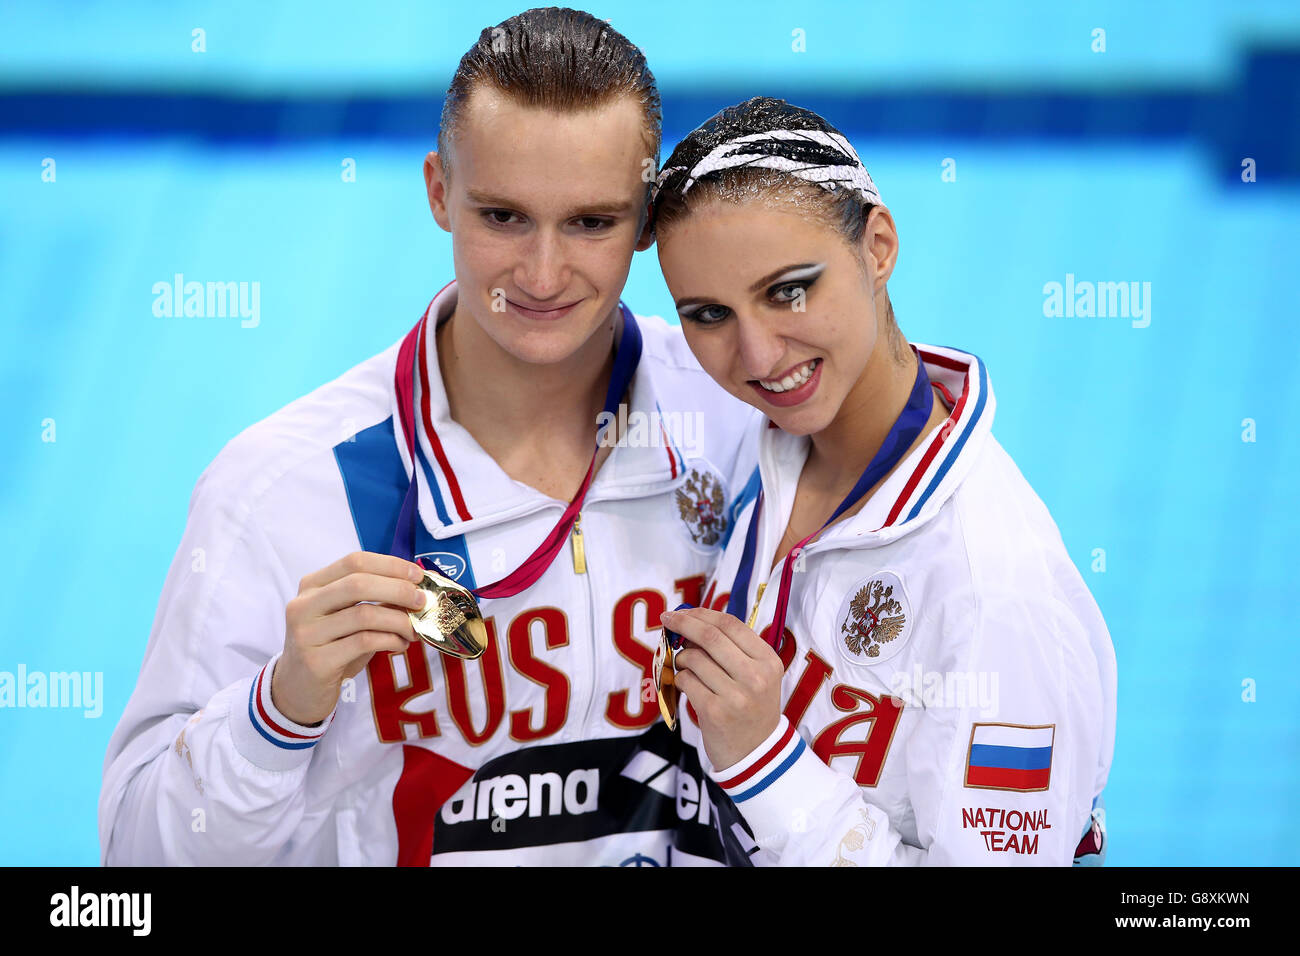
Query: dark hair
556	58
841	209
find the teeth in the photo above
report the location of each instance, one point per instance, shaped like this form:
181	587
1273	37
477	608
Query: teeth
793	380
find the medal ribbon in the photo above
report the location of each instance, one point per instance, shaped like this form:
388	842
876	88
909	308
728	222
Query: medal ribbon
901	435
626	358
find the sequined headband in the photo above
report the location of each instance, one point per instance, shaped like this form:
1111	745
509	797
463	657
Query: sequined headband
827	159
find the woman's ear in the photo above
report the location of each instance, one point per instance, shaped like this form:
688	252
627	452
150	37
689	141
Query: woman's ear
879	245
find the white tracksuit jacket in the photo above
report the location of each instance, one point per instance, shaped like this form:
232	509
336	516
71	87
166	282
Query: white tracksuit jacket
546	750
949	695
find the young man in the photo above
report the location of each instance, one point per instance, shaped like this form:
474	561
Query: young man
286	712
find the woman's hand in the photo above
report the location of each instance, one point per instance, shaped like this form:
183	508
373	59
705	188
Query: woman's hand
732	678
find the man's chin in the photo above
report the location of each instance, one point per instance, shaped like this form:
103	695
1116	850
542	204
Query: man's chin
544	345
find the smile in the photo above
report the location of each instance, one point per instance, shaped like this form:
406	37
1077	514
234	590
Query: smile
793	388
544	314
792	379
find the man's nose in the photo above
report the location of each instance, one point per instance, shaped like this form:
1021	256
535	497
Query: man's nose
543	272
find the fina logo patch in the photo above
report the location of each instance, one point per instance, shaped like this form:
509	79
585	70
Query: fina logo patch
873	619
445	563
701	503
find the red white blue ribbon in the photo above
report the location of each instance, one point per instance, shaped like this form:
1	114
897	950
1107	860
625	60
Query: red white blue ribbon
901	435
626	358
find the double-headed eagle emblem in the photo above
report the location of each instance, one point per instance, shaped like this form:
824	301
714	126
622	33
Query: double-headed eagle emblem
875	618
702	505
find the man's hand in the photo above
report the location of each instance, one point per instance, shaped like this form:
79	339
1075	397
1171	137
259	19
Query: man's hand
731	677
329	636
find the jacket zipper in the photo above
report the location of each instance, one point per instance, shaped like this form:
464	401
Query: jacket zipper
594	650
758	602
579	552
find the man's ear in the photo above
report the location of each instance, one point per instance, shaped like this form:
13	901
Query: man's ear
647	237
435	184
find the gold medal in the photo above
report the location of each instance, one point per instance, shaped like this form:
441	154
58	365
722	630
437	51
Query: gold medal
450	620
665	686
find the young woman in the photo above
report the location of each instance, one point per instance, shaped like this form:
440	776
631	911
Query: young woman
896	662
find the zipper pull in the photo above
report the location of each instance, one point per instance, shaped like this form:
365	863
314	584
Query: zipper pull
758	599
579	553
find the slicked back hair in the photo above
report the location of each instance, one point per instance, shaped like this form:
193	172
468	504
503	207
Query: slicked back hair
554	58
842	209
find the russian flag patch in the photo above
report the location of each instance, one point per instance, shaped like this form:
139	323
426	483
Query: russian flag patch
1010	757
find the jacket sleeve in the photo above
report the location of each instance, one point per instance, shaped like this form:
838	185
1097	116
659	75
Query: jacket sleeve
202	769
1006	780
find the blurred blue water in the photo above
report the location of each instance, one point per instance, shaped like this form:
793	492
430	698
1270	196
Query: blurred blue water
315	45
1132	436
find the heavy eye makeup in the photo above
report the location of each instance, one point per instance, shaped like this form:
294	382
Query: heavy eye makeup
786	288
779	293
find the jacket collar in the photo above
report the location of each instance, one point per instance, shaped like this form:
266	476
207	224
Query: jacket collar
462	488
925	479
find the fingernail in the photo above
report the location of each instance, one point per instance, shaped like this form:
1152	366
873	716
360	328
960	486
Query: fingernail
415	573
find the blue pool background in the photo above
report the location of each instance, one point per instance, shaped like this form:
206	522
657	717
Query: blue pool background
1115	166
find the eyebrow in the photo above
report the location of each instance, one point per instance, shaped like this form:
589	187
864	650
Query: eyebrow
777	273
770	277
598	207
